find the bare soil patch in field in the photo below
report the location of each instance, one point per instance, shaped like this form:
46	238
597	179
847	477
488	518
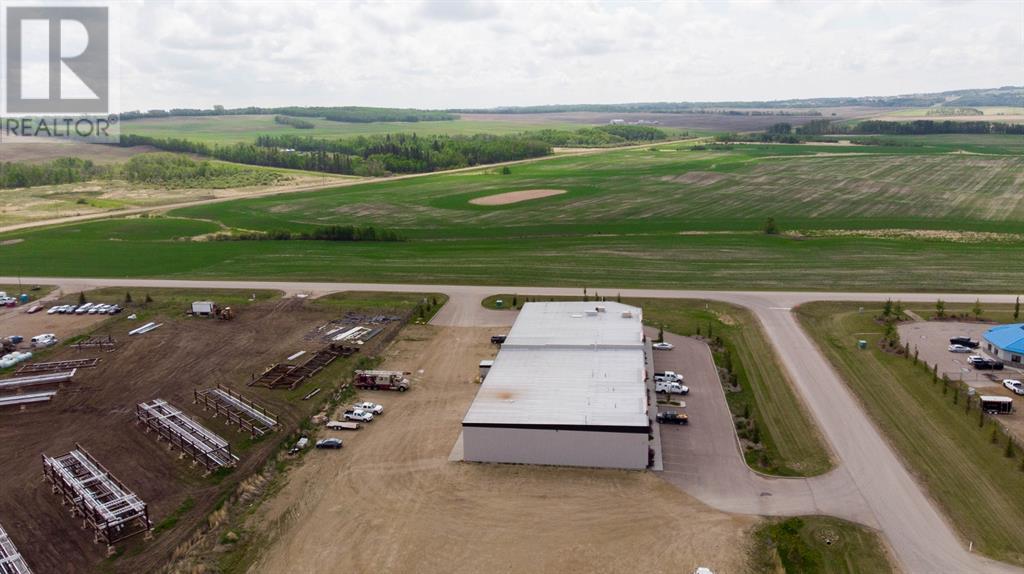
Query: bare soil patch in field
516	196
97	410
390	501
17	149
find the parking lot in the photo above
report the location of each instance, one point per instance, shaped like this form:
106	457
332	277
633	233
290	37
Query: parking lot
703	457
931	339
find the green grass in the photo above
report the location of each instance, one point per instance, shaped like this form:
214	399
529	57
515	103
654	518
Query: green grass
14	290
980	489
792	445
663	216
231	129
171	520
817	545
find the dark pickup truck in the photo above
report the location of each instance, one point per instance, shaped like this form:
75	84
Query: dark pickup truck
672	418
988	365
965	341
498	339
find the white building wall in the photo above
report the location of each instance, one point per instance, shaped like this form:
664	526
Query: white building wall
555	447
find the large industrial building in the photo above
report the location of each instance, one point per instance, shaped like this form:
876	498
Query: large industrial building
567	388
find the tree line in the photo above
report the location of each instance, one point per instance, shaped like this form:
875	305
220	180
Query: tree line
294	122
323	233
163	169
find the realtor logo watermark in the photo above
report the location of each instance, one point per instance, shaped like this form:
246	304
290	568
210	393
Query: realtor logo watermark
58	80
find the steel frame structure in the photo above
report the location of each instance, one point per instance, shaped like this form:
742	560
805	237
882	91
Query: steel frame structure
11	561
237	409
105	504
56	366
193	439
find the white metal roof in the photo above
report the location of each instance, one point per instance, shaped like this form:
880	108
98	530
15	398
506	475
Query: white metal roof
577	323
563	366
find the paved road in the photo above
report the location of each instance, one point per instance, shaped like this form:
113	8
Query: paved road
921	538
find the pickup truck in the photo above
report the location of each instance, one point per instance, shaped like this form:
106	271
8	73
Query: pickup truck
369	407
672	418
672	388
358	415
965	341
668	377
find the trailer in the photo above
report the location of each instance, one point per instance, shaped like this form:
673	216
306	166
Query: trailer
341	425
996	405
382	380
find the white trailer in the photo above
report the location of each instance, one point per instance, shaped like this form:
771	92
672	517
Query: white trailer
203	308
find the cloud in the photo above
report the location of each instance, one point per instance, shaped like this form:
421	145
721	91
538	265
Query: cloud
480	54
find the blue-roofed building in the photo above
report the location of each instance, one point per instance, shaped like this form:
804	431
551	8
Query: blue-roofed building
1006	343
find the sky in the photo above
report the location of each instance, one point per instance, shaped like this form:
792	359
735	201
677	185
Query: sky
437	54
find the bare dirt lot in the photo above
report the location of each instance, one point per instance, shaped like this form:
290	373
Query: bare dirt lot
97	410
16	322
391	502
516	196
37	150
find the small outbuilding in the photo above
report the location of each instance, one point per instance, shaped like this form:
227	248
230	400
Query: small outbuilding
1006	343
203	308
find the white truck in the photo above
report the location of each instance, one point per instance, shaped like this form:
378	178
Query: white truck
672	388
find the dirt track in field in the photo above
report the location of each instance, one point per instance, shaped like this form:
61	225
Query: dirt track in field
97	410
516	196
391	502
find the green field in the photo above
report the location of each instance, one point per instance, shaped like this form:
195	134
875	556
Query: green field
665	216
980	489
232	129
817	545
791	443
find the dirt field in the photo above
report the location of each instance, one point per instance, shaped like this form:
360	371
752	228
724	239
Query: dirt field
516	196
97	410
391	502
16	149
16	322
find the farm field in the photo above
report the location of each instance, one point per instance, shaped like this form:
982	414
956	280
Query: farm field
978	487
24	205
989	114
792	445
852	217
232	129
97	410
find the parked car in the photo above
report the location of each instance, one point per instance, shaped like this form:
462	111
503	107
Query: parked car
369	407
672	388
988	364
663	346
66	309
975	358
8	301
965	341
34	308
957	348
15	339
83	309
54	309
672	418
358	415
329	443
114	309
44	340
498	339
1014	385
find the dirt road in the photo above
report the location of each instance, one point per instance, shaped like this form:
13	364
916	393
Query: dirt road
390	501
921	538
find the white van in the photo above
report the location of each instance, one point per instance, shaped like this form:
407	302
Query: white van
671	388
44	340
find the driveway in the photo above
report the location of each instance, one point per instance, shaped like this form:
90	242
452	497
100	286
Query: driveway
703	458
921	538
